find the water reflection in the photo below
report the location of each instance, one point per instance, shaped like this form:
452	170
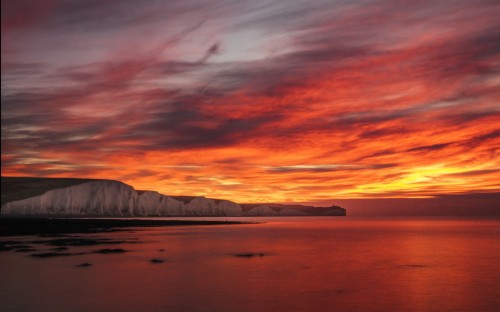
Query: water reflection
309	264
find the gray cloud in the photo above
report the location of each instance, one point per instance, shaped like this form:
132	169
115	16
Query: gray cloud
326	40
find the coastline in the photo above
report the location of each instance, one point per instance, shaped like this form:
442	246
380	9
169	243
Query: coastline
46	226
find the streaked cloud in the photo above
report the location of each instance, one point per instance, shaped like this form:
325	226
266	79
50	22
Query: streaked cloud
255	100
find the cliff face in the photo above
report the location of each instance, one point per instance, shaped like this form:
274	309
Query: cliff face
290	210
261	210
106	198
117	199
113	198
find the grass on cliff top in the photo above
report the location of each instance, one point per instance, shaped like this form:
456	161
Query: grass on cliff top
17	188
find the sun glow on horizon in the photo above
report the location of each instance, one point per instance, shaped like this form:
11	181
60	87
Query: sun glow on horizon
256	102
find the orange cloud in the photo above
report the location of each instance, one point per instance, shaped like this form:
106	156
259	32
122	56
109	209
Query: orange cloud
374	103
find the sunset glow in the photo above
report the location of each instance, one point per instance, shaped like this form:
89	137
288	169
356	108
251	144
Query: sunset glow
255	101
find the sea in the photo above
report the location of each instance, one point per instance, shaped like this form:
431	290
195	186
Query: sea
277	264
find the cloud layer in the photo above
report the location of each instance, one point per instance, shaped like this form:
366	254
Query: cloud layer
255	100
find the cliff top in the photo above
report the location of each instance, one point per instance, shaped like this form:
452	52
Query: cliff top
17	188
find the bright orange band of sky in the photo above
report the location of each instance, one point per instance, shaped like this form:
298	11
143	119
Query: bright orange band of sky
255	101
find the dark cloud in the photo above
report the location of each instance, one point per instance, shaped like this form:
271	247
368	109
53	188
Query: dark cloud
474	173
379	133
16	68
481	139
212	50
182	126
327	168
468	117
92	15
429	148
378	154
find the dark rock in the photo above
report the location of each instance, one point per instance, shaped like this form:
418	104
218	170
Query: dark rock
9	245
18	247
25	250
52	254
156	260
108	251
76	241
84	265
53	235
5	248
59	248
249	255
10	242
59	227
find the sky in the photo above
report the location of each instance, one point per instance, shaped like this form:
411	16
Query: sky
256	100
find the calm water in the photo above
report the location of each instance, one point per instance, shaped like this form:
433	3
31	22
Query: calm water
310	264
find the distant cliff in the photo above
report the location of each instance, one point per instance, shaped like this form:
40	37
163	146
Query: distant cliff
86	197
291	210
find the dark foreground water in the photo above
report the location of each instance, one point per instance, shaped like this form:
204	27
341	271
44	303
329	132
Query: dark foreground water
285	264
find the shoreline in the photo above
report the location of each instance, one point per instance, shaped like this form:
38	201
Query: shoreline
46	226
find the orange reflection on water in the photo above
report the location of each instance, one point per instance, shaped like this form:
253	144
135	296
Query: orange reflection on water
309	264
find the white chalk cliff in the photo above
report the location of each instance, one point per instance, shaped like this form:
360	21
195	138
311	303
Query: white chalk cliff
106	198
83	197
262	210
113	198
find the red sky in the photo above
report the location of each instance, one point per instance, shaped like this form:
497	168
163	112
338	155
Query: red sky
256	101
